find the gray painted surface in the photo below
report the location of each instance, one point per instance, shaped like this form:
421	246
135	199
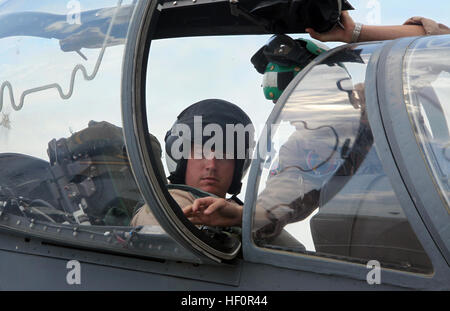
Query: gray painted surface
34	272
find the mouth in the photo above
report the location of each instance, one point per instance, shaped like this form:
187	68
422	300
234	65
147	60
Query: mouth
210	179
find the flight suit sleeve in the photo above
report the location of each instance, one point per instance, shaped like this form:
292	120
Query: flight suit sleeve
144	215
430	26
283	199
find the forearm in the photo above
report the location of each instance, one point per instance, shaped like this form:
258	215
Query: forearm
375	33
415	26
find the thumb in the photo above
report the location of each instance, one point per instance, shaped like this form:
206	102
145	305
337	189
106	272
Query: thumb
319	36
313	33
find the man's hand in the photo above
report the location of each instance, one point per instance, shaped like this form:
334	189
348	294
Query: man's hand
214	212
337	33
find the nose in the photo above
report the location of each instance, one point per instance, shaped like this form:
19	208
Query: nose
211	164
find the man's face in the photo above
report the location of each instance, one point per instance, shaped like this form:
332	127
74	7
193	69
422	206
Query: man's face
210	174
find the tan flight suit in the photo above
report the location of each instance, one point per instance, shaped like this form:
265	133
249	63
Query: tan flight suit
145	217
285	184
292	177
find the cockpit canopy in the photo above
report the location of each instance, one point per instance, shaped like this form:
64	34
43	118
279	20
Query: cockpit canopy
83	137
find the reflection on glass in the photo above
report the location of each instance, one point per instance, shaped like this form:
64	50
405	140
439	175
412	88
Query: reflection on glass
88	180
48	171
427	94
64	169
323	190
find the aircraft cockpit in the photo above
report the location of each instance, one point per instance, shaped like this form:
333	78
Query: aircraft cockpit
350	164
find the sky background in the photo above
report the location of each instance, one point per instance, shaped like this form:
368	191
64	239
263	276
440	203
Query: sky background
174	65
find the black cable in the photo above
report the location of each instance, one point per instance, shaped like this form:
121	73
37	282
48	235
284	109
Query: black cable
41	202
336	145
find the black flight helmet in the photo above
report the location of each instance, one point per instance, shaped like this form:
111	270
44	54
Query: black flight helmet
212	112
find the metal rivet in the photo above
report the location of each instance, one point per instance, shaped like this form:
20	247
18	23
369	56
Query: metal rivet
174	3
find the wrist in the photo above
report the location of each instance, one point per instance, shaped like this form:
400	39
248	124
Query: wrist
238	219
356	33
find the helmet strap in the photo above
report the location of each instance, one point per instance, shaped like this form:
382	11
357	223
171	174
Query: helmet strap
179	175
